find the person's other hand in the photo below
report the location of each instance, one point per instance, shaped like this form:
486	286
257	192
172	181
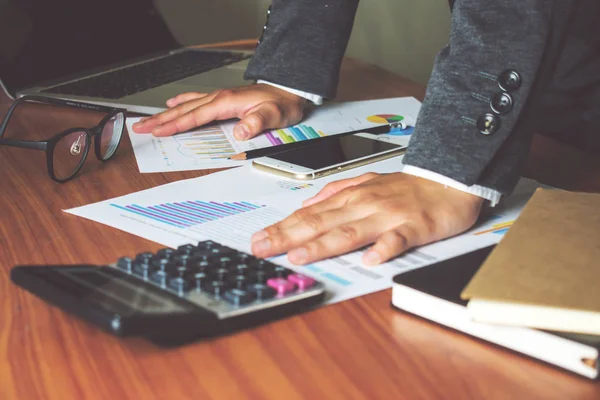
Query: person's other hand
259	107
394	211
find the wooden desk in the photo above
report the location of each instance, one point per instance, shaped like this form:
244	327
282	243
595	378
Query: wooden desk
358	349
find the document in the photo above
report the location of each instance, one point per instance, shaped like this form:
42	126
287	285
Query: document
231	205
210	146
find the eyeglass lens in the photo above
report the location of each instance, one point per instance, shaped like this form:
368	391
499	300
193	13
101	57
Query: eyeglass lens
111	135
69	154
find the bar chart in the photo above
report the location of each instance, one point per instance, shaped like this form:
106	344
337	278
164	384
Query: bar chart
186	214
292	134
204	144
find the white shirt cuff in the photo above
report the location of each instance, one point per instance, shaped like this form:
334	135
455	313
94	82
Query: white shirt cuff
315	98
489	194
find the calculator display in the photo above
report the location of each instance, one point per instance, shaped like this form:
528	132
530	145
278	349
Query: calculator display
116	293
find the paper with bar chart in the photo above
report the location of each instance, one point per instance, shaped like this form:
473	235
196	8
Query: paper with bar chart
221	207
203	148
336	118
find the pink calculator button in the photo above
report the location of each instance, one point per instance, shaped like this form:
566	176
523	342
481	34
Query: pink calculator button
282	286
303	281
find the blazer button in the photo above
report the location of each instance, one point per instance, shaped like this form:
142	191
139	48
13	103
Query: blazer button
509	81
501	103
488	123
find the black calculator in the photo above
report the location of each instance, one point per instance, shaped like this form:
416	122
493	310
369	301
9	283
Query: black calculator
175	296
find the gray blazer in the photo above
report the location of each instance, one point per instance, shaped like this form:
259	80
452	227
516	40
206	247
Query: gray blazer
511	67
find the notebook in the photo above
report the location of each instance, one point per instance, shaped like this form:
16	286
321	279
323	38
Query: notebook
546	270
114	52
433	293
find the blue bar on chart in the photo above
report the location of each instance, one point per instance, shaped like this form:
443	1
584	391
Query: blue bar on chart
189	213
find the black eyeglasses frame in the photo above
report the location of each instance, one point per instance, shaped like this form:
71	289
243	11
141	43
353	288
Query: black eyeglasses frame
48	145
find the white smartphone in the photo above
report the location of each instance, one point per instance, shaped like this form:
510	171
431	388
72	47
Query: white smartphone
330	156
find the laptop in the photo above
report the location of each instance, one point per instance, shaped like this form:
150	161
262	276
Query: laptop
112	52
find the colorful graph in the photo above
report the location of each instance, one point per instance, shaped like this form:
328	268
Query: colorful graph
189	213
209	143
388	119
385	118
498	229
293	185
292	134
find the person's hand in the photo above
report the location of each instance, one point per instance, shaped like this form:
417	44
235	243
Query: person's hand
259	107
394	211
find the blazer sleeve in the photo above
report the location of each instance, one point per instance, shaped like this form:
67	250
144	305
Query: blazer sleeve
303	44
474	124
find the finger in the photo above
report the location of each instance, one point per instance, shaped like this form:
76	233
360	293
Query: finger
340	240
197	116
184	97
152	123
335	187
267	115
300	215
306	229
391	244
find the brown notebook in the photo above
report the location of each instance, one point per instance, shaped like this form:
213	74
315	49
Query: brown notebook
545	273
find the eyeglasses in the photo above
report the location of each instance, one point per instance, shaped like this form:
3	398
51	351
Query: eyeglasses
66	151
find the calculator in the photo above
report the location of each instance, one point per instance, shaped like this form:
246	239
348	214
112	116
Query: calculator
175	296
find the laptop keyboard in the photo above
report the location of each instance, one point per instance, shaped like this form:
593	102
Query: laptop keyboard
134	79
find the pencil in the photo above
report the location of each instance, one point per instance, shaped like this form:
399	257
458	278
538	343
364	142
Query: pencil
267	151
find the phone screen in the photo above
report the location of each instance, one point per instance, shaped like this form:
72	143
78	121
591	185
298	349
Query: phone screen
335	151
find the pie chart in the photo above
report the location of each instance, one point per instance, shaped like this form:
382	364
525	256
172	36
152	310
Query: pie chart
389	118
384	118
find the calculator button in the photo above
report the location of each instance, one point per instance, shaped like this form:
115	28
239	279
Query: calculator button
261	291
179	285
241	269
199	279
179	271
186	249
141	269
165	253
180	258
216	288
202	266
281	272
239	281
224	261
206	244
197	257
302	281
260	276
144	258
281	286
238	297
220	274
124	263
261	264
160	278
160	263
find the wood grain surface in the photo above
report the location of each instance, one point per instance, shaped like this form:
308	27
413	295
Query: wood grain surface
357	349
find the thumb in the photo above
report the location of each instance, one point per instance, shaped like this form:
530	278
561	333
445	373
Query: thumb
265	116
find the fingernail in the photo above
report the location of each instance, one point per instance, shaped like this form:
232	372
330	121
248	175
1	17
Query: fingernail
372	258
241	132
170	101
260	235
262	245
298	256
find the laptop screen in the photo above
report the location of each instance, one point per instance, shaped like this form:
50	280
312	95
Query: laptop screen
47	40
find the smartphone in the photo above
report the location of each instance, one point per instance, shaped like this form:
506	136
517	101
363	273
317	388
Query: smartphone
336	154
